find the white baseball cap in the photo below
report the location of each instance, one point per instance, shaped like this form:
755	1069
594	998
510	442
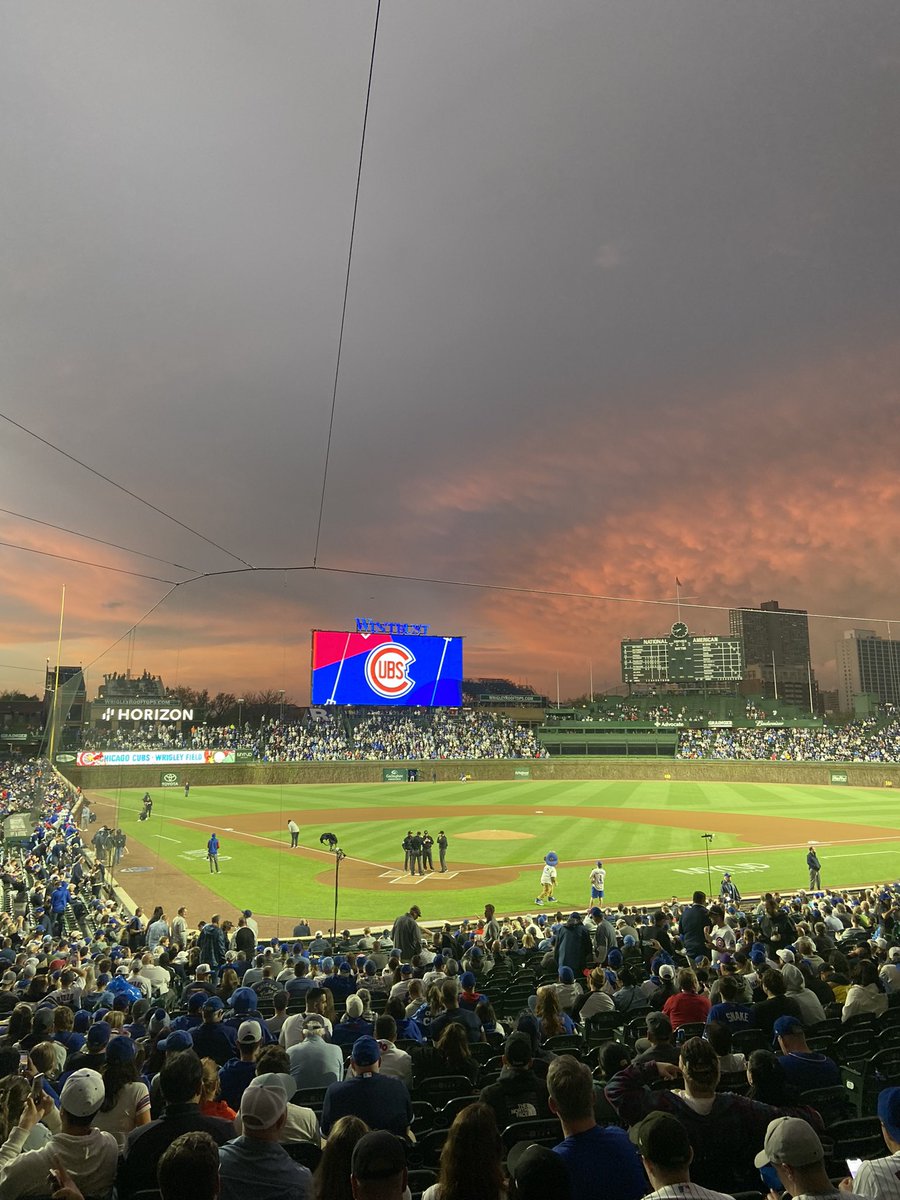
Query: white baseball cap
83	1093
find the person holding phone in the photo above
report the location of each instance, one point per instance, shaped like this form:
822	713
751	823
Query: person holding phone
14	1092
89	1155
877	1177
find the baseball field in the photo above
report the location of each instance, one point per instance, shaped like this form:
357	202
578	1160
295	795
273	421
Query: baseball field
648	835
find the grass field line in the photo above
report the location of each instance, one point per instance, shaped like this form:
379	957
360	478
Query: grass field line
578	862
626	858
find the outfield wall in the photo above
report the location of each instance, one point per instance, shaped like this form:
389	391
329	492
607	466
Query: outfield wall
695	771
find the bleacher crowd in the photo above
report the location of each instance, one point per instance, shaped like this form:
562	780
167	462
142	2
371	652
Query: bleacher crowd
610	1054
864	740
327	735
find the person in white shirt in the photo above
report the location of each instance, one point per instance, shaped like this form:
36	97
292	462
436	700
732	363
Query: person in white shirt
889	973
89	1155
879	1178
598	884
666	1152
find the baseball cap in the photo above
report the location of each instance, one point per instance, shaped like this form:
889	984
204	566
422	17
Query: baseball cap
790	1142
889	1111
158	1022
663	1139
566	975
98	1035
785	1026
203	969
667	971
467	979
365	1052
83	1093
120	1049
786	955
757	957
214	1002
536	1170
894	953
262	1106
377	1155
178	1039
517	1050
196	1000
249	1032
243	999
314	1023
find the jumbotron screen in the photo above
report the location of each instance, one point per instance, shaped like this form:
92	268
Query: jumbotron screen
384	668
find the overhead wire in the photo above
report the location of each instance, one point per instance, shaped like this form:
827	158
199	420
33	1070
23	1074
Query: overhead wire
340	345
90	538
84	562
121	487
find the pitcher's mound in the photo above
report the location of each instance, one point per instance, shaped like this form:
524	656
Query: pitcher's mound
495	835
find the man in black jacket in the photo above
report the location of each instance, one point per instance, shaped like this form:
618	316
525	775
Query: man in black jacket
181	1079
519	1094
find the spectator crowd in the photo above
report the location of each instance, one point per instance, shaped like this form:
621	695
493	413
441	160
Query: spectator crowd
608	1054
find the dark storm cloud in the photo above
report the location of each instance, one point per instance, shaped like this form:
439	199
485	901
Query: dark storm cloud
593	241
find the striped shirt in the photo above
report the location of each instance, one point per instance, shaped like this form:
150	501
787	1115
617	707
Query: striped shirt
879	1178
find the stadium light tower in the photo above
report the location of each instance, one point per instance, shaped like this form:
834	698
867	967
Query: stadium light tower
240	705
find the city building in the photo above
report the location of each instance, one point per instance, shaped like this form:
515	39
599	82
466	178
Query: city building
867	665
776	653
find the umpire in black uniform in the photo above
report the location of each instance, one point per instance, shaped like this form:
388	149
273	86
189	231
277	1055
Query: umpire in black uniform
407	844
415	854
427	860
442	849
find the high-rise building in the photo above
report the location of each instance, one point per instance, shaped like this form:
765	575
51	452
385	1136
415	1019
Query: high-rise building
867	665
776	651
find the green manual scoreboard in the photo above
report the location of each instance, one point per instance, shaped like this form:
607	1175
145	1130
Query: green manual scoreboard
682	658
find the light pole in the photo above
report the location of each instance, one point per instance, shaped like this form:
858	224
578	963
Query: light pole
708	837
240	705
330	841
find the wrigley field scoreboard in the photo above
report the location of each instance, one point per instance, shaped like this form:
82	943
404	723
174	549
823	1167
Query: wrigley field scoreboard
682	658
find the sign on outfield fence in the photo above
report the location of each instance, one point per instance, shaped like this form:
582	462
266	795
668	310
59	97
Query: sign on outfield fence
521	772
840	777
393	775
169	779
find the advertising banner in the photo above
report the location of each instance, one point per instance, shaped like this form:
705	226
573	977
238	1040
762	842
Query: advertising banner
372	668
170	779
151	758
243	755
521	772
840	777
393	775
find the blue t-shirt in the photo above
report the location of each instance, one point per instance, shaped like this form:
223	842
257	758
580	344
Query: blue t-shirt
379	1100
603	1165
735	1016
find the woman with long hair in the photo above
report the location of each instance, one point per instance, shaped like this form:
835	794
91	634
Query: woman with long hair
127	1101
450	1055
472	1159
228	984
19	1025
331	1180
211	1102
14	1091
553	1020
866	993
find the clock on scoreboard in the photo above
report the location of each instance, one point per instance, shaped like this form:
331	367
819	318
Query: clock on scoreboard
682	658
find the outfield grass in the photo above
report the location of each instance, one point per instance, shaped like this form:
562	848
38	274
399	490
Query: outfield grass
760	832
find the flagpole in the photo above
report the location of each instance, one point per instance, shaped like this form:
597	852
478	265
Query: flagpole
678	596
557	689
592	680
809	681
774	675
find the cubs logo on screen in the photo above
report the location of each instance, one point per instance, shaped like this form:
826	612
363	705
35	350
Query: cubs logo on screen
387	670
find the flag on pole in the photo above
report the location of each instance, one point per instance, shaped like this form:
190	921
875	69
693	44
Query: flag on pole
678	582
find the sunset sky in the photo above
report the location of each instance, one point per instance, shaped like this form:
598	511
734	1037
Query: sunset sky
623	305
